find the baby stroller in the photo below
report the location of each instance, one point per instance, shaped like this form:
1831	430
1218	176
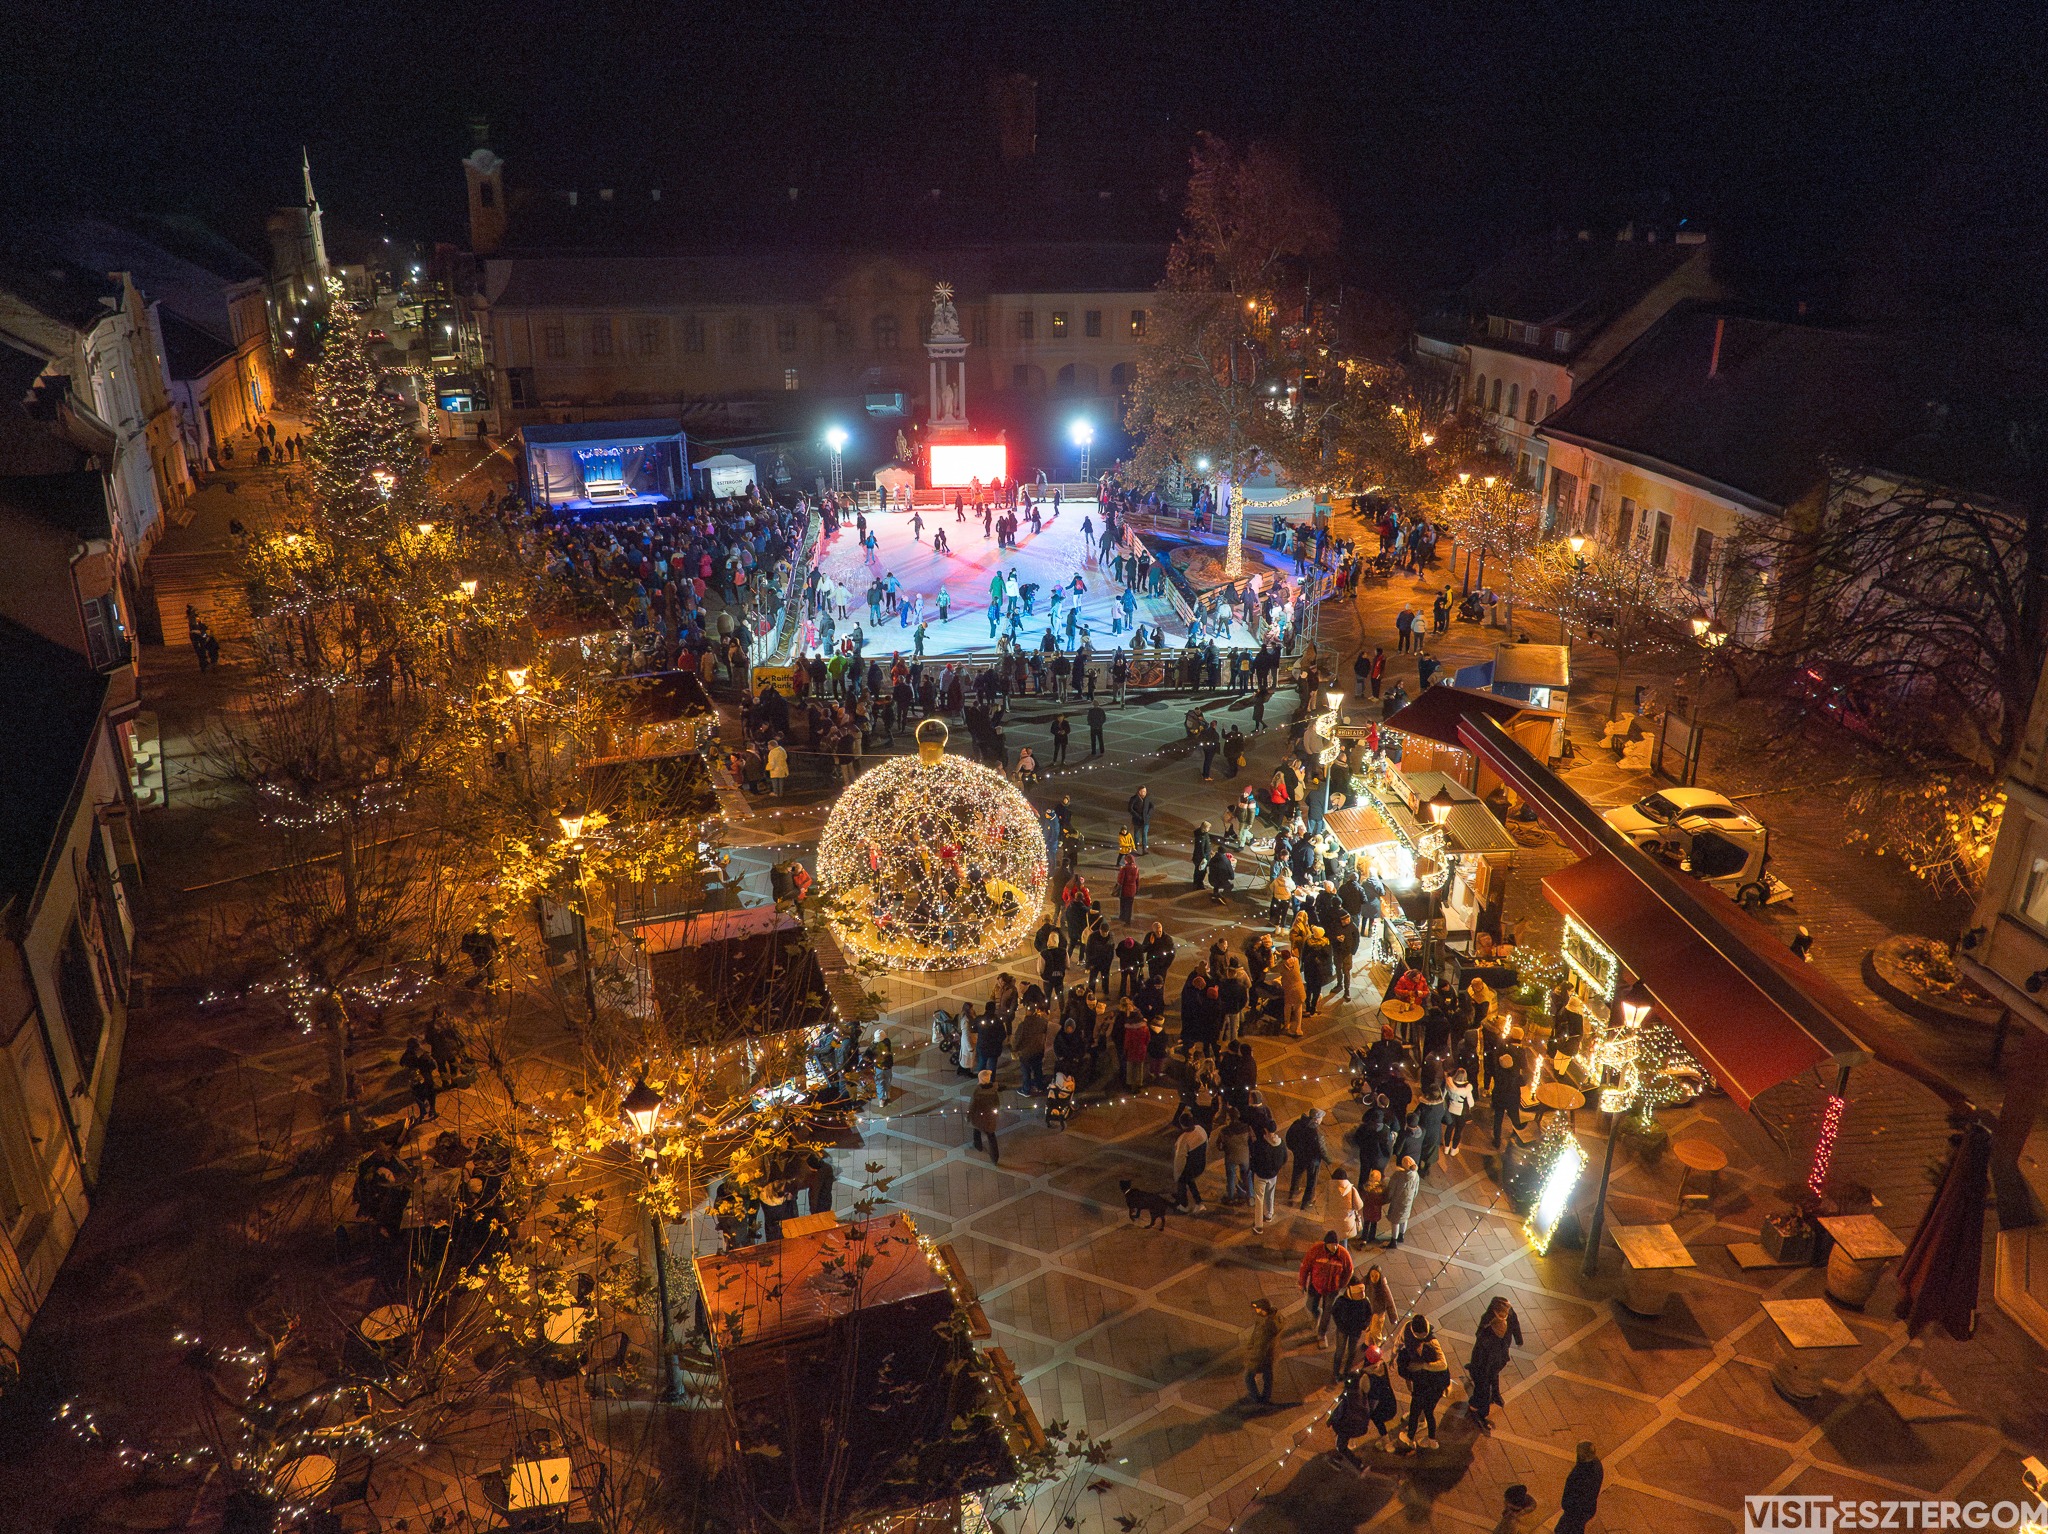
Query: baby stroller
1059	1102
946	1032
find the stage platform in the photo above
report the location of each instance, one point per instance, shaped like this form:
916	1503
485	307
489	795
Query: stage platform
1044	558
613	508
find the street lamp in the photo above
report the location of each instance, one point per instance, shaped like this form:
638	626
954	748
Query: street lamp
642	1107
1635	1005
1440	804
571	822
1083	434
1710	636
835	439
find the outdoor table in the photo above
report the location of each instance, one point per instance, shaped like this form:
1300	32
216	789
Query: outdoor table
1403	1015
387	1323
1807	1325
304	1479
1699	1156
1558	1097
1864	1247
564	1328
1651	1253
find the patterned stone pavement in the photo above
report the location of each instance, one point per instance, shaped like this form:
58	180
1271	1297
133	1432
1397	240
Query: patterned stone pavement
1131	1334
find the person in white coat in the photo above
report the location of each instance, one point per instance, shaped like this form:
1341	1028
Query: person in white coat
1342	1205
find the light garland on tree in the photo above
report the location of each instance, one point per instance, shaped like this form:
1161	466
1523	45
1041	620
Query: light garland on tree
932	862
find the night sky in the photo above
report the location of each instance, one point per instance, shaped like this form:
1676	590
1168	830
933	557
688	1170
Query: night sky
1868	157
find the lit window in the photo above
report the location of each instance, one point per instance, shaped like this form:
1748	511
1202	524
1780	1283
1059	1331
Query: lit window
789	378
1059	324
1137	324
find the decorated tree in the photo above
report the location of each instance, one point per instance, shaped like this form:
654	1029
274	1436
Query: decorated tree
1494	516
1617	599
1232	328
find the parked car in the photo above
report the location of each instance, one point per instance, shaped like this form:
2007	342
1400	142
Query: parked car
1838	693
1700	832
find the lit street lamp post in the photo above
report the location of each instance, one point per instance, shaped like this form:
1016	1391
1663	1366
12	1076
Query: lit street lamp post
1711	637
572	828
642	1108
1634	1004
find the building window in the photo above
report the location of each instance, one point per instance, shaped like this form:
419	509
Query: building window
1027	325
1514	401
1494	406
1059	324
1562	340
1091	324
885	332
554	343
647	337
106	642
785	334
1593	511
1660	541
1702	559
79	1000
600	338
1625	530
1137	324
1479	392
2030	891
693	333
742	336
789	379
1532	407
1549	406
487	194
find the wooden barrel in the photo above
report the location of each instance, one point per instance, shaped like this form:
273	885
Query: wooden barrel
1849	1281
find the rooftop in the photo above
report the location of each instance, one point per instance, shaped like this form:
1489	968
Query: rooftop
1569	286
1752	409
51	698
74	502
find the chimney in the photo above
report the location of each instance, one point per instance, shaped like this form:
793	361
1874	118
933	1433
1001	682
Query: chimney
1714	362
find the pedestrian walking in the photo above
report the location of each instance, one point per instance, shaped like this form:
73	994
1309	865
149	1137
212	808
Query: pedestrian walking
1126	886
419	1059
1140	808
1403	1183
1233	1139
1261	1352
1190	1160
1324	1273
1097	718
1268	1158
1062	732
1421	1362
885	1065
1581	1499
983	1109
1305	1146
1350	1315
1500	1333
1459	1100
1341	1205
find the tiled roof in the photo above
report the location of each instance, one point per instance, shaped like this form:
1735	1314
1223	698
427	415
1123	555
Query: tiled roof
1753	408
1571	285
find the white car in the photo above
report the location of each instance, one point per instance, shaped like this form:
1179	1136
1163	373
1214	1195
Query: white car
1701	833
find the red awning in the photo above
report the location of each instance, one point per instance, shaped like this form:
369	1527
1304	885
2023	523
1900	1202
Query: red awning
1732	1026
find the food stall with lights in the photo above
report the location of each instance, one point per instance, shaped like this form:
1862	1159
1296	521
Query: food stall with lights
1539	675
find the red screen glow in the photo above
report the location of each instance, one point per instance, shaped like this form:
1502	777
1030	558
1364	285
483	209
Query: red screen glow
961	463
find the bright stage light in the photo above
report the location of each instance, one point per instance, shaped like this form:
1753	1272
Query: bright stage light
961	463
1201	466
1082	433
836	439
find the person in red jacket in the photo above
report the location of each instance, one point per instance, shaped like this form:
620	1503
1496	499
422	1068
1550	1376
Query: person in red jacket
1324	1273
1126	887
1136	1041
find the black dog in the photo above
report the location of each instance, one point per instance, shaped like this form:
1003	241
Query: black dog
1152	1205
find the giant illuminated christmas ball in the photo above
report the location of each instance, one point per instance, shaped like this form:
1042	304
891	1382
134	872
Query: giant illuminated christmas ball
932	862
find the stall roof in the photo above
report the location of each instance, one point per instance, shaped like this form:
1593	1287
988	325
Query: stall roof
1434	715
1473	828
1532	665
1359	828
782	1290
724	461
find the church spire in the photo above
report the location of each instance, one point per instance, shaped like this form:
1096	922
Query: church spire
306	175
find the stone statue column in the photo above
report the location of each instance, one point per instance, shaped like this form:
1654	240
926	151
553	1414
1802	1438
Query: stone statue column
962	407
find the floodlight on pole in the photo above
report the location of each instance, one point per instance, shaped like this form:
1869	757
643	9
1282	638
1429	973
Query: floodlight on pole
835	439
1083	433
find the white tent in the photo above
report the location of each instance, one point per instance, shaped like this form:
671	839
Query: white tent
727	474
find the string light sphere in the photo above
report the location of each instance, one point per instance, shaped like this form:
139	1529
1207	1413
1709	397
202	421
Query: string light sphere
933	862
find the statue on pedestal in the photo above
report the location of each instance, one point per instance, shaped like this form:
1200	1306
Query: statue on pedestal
945	318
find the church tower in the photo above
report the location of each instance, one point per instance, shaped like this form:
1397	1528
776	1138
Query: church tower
314	255
486	173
